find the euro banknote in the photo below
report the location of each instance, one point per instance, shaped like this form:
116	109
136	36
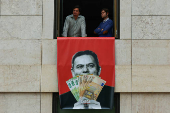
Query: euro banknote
86	86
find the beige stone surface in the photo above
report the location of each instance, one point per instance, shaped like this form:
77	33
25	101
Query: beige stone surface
20	78
46	102
125	103
151	52
49	80
150	65
21	7
123	52
20	52
125	19
123	65
21	27
49	52
150	7
150	102
151	78
122	78
150	27
48	19
19	103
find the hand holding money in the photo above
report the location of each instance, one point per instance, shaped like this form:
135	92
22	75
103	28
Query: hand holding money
91	104
86	89
94	105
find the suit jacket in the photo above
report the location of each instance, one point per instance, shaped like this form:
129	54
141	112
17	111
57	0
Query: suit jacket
106	26
105	98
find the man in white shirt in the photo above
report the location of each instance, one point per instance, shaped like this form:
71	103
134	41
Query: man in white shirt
75	25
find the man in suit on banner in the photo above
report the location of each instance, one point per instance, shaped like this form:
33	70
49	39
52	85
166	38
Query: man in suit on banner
84	63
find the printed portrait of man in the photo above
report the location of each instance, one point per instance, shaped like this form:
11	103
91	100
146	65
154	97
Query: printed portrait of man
79	58
85	63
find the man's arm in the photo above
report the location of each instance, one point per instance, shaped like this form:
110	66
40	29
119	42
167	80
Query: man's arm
66	26
107	28
98	29
83	27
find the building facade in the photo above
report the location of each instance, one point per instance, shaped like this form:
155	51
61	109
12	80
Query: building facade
28	56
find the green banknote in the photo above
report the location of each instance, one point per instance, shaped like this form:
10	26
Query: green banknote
76	81
85	86
74	90
71	84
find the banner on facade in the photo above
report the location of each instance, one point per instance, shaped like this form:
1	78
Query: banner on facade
86	72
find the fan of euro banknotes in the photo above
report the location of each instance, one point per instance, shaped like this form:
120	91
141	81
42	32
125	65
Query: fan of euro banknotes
86	86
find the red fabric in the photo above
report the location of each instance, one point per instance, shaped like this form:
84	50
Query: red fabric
104	47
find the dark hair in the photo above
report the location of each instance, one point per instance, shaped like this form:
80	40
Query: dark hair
106	10
77	6
86	52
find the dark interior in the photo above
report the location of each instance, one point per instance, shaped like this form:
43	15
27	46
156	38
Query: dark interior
90	9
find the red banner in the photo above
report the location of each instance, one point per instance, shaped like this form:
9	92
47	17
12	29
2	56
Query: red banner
70	47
